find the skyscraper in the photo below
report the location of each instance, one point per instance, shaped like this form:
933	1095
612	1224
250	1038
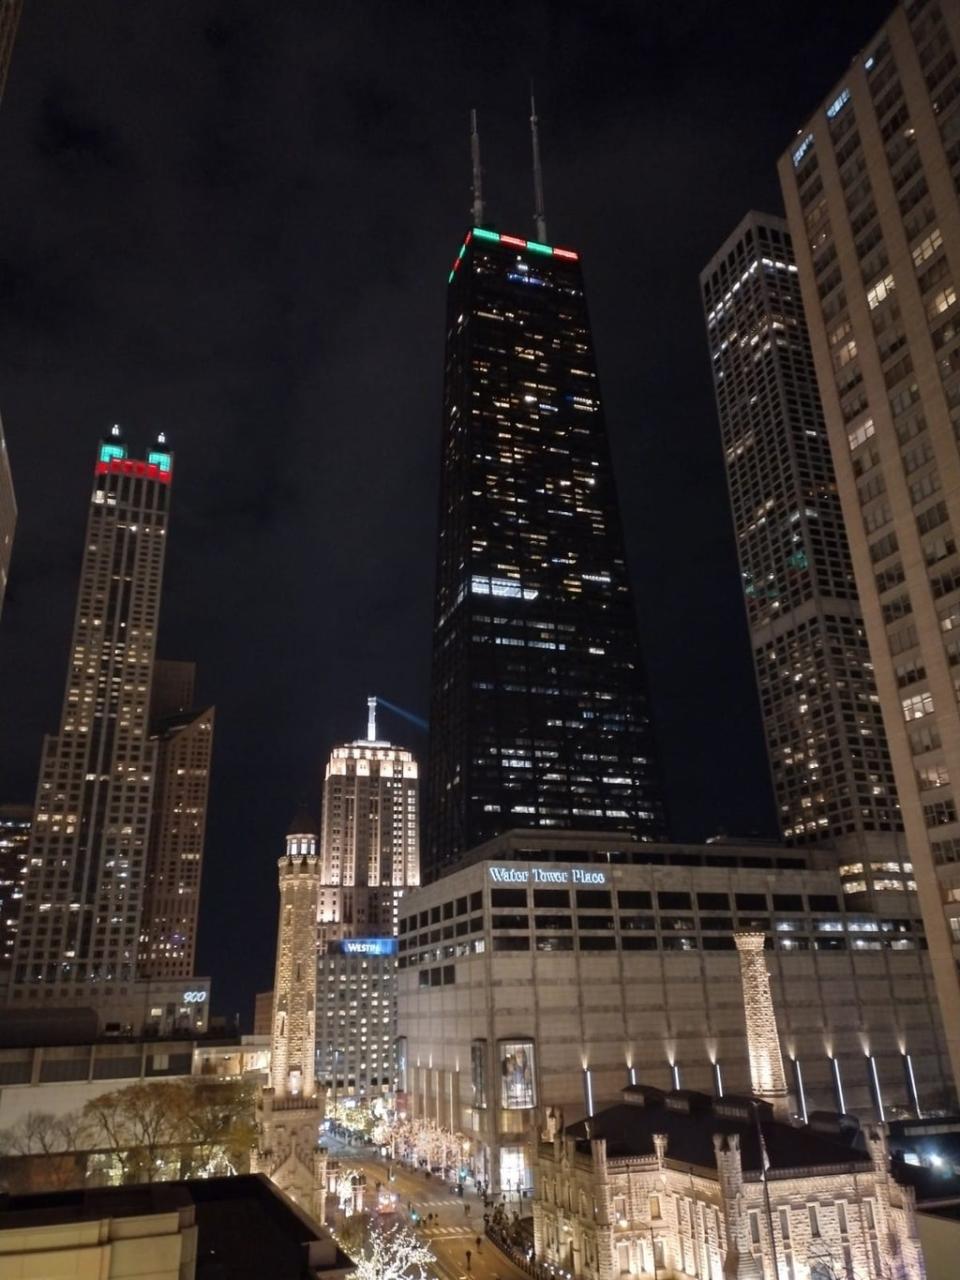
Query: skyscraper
15	821
369	857
829	760
539	711
184	738
8	516
370	842
80	928
870	184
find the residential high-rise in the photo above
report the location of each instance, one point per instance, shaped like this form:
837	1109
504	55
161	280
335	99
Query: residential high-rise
370	842
539	710
870	184
80	926
8	516
184	738
15	822
829	759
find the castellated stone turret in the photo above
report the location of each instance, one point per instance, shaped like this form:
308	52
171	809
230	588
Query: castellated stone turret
293	1054
290	1111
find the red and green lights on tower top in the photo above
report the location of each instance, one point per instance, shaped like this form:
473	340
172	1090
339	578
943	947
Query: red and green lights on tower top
512	242
112	459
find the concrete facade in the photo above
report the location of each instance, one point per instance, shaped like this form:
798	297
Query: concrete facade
356	1022
534	979
59	1079
870	187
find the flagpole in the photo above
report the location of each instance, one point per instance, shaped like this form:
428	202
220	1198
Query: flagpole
764	1165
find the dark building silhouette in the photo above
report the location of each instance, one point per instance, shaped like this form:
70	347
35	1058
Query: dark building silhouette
539	711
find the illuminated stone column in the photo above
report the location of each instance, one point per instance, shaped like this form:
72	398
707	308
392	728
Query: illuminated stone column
290	1112
763	1040
293	1057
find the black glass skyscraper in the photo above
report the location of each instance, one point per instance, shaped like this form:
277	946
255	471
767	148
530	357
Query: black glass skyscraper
539	714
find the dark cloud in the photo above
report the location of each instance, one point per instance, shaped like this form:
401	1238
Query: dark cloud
234	221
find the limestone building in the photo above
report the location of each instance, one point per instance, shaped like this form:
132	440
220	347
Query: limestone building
553	968
680	1184
870	187
290	1110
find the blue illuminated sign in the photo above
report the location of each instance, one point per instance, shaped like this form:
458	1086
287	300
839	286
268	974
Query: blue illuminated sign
368	946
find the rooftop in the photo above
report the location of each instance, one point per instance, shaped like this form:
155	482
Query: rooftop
689	1120
246	1227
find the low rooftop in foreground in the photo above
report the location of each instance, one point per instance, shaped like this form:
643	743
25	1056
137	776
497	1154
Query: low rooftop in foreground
246	1228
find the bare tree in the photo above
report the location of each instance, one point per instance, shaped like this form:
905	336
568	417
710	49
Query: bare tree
397	1254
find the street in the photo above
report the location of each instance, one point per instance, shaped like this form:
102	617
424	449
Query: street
457	1223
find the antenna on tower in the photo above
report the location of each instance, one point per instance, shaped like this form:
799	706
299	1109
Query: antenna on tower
477	171
371	719
539	217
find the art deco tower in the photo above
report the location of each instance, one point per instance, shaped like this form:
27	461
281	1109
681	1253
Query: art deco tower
370	843
83	895
539	711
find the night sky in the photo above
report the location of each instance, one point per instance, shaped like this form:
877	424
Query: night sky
233	221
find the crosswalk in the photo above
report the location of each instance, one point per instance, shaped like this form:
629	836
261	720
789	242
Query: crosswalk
448	1232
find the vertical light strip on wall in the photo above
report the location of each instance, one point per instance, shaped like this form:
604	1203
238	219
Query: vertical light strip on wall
838	1085
675	1072
717	1079
875	1085
911	1083
588	1090
798	1085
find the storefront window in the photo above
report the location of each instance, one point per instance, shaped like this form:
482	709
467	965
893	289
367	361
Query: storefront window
517	1075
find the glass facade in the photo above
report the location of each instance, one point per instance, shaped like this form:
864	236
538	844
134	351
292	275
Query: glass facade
539	714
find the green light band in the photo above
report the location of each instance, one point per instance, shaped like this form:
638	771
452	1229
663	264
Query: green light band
161	460
481	233
112	452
